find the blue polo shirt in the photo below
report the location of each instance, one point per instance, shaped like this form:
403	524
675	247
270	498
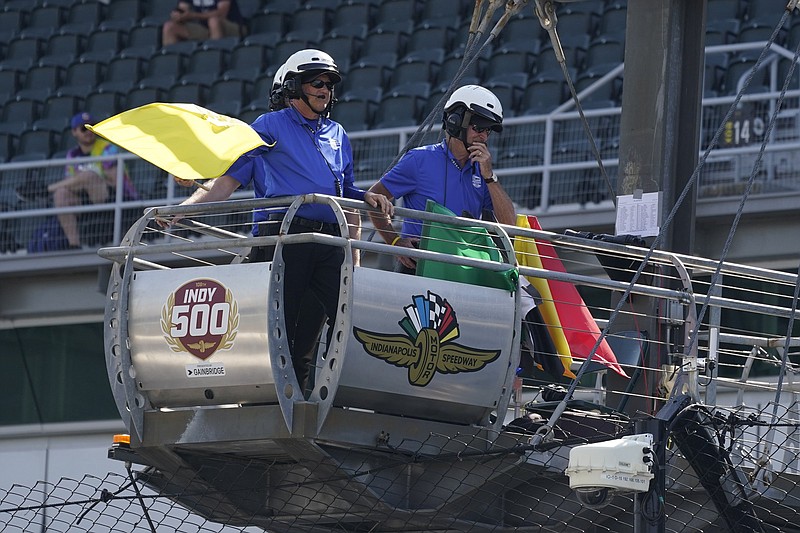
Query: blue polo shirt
308	157
431	172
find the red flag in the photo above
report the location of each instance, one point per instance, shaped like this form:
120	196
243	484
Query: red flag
577	322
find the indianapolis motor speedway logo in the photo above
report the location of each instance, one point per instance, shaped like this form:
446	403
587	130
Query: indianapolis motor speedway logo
427	347
200	317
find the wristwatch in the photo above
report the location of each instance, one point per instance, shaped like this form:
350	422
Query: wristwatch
491	179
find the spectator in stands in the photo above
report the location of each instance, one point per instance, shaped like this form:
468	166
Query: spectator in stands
95	182
456	172
203	19
308	153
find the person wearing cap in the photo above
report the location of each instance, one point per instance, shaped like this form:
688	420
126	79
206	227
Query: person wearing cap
93	181
456	173
308	153
197	20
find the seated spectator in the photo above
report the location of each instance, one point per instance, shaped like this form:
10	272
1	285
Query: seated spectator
95	182
202	19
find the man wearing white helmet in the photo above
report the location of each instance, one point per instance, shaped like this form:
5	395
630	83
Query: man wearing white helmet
456	172
308	153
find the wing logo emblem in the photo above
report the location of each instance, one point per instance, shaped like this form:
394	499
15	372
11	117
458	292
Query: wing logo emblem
427	346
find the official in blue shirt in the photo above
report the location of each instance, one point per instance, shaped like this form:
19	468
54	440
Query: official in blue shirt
309	153
456	173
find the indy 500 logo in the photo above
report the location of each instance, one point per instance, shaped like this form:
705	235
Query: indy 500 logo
200	317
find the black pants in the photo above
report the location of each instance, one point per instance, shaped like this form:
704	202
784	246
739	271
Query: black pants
311	285
311	292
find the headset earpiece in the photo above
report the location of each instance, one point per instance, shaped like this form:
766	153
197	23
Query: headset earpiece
291	88
452	123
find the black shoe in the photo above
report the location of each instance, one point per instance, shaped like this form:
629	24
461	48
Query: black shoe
32	192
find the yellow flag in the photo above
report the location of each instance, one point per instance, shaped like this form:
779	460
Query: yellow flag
188	141
528	255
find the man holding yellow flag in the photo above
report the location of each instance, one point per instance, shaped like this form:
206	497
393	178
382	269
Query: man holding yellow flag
306	153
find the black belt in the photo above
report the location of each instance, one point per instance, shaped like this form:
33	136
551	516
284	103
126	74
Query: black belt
306	225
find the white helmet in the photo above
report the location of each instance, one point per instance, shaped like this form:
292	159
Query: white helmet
310	63
479	101
276	99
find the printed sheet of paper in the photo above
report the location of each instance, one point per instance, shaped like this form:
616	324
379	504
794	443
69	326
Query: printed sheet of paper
638	214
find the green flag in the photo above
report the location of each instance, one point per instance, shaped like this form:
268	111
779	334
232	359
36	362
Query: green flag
473	242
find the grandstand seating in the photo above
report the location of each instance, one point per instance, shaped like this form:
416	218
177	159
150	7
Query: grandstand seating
107	55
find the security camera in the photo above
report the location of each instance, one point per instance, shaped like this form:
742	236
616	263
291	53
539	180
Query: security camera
598	470
593	498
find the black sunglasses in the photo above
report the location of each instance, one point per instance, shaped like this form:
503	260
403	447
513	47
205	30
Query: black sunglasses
478	129
319	84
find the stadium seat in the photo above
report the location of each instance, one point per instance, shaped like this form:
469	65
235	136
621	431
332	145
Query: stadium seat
421	89
207	61
410	70
121	14
398	110
605	49
46	77
310	17
739	68
353	114
7	149
10	22
155	12
34	142
142	41
81	77
524	32
142	96
163	69
261	89
576	21
245	61
283	50
542	95
760	30
356	13
189	93
61	107
21	111
574	48
230	108
722	31
229	91
62	49
521	145
150	181
22	52
381	41
268	22
365	74
44	20
10	83
507	60
372	94
426	37
591	75
103	104
451	65
253	110
441	13
281	6
614	18
103	45
344	49
85	13
397	11
122	74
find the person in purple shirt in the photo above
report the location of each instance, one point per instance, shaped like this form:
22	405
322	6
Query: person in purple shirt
456	172
93	181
